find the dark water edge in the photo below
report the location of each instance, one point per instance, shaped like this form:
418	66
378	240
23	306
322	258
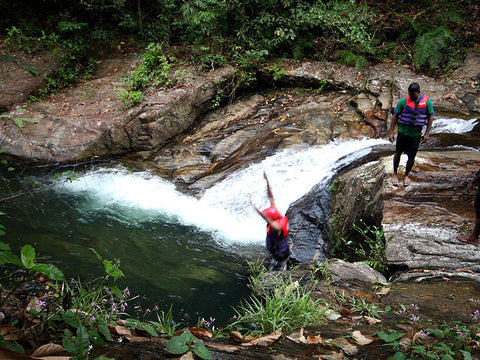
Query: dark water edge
165	263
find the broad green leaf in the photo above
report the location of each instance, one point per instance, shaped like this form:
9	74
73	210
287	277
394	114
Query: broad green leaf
7	257
69	345
70	318
390	337
398	356
150	330
116	291
18	121
103	329
178	344
96	337
200	350
4	150
3	246
50	270
12	345
99	257
112	270
28	256
83	341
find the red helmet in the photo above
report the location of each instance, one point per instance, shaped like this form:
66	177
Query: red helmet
272	213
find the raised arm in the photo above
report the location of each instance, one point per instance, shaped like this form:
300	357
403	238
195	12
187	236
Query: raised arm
269	190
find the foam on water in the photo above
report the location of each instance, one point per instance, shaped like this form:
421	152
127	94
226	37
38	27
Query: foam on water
452	125
224	209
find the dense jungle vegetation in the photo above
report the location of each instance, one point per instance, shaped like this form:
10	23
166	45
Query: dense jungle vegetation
429	35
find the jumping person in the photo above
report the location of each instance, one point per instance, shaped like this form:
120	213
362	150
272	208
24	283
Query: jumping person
277	231
473	238
412	113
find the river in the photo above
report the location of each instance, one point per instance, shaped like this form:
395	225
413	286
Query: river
175	249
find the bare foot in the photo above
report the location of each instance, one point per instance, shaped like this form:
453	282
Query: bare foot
468	239
406	181
394	180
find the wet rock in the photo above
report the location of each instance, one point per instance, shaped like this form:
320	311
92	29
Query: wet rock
357	198
425	218
342	270
310	225
23	74
90	121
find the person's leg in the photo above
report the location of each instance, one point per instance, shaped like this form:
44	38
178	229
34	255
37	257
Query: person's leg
410	162
473	237
399	149
414	143
396	162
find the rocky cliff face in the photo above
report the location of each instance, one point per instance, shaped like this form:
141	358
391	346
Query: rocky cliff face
422	220
89	121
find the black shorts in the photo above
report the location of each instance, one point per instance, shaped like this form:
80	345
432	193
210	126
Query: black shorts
407	144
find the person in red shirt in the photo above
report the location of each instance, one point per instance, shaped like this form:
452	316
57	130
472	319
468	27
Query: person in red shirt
412	113
277	241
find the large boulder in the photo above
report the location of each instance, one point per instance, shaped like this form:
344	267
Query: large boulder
91	121
310	226
425	218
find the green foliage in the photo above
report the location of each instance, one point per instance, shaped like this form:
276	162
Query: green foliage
429	47
370	248
348	57
187	342
206	59
434	35
130	98
18	120
286	307
363	307
28	264
153	71
165	324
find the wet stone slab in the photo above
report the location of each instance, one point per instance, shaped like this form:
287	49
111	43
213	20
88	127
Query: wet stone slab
425	218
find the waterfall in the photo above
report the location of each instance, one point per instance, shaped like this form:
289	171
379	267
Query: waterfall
224	209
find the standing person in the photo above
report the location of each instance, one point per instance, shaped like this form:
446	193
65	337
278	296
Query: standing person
412	113
277	231
473	238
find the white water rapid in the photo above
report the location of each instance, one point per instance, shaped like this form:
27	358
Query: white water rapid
224	209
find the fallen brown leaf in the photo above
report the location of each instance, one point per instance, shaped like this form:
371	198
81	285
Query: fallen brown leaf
200	332
136	339
314	339
383	291
222	347
119	330
361	339
264	341
371	320
48	349
331	356
298	337
188	356
235	335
